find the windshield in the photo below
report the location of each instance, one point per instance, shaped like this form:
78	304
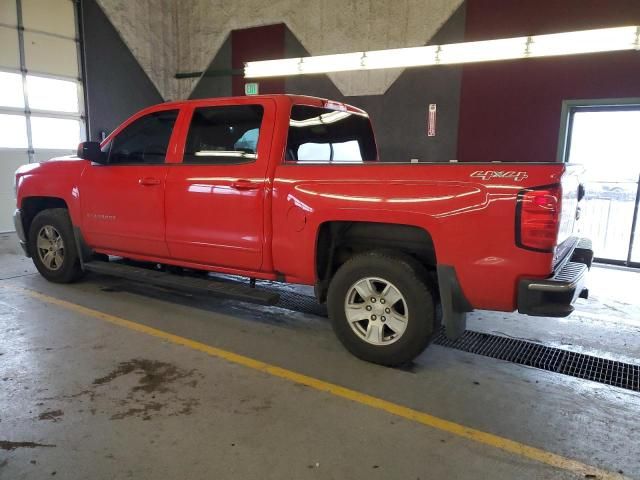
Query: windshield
321	135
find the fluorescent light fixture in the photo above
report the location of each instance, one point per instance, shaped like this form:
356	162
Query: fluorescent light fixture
305	65
485	51
587	41
568	43
272	68
400	57
333	63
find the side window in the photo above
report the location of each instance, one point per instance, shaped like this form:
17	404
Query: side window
224	134
319	135
145	141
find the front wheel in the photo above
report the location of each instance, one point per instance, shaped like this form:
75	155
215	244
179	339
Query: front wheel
382	307
53	247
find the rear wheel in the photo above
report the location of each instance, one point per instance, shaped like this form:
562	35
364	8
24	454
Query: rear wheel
382	307
53	247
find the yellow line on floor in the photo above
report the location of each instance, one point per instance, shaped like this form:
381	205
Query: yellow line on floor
472	434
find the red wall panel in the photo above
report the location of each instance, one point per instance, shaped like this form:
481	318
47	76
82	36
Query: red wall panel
510	111
258	43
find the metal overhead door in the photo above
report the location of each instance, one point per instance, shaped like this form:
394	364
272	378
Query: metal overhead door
41	93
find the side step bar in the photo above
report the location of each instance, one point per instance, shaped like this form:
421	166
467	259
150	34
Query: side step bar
188	284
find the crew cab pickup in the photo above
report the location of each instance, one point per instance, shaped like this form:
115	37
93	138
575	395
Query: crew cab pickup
290	188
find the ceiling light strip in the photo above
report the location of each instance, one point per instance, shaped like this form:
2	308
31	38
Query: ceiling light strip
533	46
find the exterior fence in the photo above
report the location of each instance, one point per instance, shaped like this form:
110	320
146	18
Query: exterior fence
606	217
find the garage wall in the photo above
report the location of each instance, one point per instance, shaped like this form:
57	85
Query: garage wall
404	104
266	42
117	85
217	39
321	26
501	111
41	96
166	36
149	28
216	80
510	111
399	116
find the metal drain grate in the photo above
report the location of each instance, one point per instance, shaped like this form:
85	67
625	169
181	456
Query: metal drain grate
522	352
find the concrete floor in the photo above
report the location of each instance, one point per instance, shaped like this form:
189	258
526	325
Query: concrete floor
100	401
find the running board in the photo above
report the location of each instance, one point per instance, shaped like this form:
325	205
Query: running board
227	290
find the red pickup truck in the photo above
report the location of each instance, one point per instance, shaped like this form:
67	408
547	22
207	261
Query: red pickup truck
290	188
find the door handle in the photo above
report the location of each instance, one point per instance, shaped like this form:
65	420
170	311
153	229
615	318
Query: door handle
243	184
149	181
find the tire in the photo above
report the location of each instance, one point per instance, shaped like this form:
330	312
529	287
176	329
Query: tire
51	230
382	340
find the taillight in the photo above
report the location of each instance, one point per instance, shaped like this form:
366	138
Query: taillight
538	218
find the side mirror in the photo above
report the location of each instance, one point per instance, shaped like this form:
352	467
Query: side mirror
91	151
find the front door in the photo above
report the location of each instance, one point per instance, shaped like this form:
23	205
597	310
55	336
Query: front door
122	201
215	198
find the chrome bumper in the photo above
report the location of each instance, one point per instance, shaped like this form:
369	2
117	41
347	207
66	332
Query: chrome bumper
554	296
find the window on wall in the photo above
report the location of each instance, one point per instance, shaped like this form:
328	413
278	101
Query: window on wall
41	92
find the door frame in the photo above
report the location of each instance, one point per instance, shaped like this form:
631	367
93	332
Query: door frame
265	158
569	108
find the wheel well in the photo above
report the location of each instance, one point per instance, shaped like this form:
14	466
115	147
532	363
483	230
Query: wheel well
31	206
338	241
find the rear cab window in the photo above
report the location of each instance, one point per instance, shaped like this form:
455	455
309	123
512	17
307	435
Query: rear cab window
322	135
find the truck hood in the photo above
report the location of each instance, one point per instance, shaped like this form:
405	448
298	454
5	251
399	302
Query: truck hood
47	165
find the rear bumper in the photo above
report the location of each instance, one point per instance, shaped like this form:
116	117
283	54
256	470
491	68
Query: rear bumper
554	296
19	226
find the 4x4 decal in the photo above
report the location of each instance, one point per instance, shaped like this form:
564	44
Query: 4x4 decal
491	174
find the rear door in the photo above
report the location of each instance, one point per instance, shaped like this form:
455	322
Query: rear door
123	201
215	197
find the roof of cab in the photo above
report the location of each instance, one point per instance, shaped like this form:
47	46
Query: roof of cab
283	99
278	97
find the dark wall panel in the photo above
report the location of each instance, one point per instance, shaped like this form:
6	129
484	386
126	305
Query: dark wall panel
510	111
399	116
245	45
505	18
216	81
116	84
258	43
